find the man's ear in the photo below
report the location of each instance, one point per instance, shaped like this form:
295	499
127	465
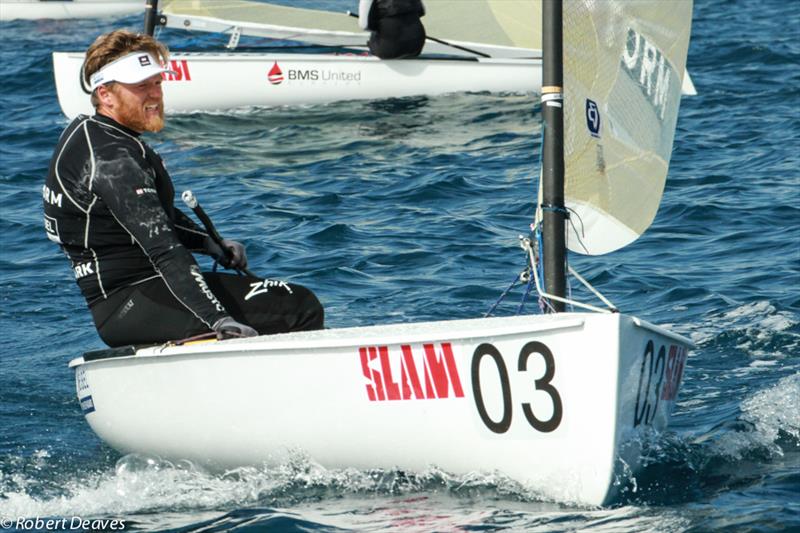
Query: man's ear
105	97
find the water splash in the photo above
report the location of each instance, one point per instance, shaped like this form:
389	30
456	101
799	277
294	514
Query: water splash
758	328
302	495
769	419
142	484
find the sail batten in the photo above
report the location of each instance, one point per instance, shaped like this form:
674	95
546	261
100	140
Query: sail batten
624	64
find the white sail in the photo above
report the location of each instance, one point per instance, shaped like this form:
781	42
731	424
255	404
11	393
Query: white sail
624	63
261	19
500	28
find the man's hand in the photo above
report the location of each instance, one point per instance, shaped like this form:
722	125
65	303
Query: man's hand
228	328
236	257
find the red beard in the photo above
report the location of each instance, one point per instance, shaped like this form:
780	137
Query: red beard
135	117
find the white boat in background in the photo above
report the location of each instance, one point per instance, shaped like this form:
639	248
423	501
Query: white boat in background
558	402
67	9
224	81
483	49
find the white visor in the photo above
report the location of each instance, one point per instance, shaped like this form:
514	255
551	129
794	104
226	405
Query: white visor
131	68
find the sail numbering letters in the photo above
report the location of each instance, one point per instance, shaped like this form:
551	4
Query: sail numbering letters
660	377
649	68
409	373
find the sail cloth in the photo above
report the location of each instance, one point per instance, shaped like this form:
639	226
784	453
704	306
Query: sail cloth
263	19
499	28
624	63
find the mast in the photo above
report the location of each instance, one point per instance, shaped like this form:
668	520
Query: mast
553	211
150	15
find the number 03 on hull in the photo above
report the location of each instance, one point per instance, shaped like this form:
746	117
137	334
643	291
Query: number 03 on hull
558	403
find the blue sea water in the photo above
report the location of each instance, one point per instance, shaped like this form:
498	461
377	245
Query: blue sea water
409	210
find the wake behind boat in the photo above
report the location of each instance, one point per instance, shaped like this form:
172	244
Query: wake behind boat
492	47
559	402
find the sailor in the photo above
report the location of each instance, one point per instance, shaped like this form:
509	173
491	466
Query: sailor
109	204
396	29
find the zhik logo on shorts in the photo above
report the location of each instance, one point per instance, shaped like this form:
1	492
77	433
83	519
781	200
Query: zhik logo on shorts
262	287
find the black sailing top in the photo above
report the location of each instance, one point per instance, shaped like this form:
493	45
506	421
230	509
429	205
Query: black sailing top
379	9
109	203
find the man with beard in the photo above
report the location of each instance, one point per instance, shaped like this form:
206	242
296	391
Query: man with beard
109	203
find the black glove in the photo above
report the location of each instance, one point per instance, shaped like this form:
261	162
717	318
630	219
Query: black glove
236	258
228	328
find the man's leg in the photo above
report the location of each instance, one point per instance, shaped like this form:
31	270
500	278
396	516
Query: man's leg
145	313
269	306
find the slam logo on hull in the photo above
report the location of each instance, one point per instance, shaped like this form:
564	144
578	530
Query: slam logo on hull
404	372
181	69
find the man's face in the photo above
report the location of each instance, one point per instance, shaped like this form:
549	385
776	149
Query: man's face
139	106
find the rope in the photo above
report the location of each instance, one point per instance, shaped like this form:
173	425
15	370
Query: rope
502	296
534	272
555	209
525	294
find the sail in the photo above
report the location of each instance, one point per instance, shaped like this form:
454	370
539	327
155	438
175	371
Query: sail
262	19
624	63
499	28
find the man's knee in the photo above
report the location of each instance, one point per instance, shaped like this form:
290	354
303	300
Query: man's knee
311	314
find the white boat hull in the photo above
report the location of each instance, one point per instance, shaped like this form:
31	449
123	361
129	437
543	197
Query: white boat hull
68	9
555	402
225	81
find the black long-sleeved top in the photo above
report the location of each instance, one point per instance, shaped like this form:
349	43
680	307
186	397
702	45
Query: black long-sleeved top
371	11
109	203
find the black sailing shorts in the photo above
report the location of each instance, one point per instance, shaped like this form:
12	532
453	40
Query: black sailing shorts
148	313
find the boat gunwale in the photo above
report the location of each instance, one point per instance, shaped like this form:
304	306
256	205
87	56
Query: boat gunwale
644	324
375	334
384	334
331	57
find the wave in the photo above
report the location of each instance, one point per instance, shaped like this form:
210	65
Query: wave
301	495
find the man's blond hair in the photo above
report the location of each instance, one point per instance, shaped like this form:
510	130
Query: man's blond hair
113	45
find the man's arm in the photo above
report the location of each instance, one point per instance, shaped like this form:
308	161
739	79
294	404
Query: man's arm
130	194
189	233
230	254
